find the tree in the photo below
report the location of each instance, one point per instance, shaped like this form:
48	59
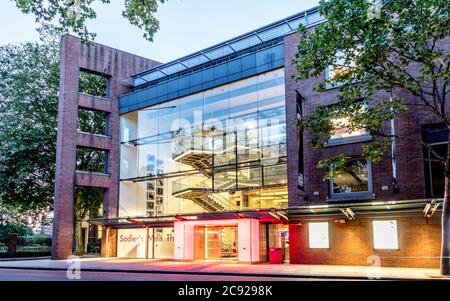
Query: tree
375	46
29	83
87	204
12	222
72	15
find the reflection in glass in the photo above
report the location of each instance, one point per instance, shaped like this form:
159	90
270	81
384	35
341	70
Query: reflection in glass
354	178
220	149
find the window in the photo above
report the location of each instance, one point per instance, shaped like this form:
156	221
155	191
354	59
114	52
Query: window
318	235
436	136
434	170
93	122
91	160
342	133
339	68
207	151
355	179
385	236
93	84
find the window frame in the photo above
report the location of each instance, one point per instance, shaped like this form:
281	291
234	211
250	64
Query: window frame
328	235
429	174
356	194
329	86
396	232
364	137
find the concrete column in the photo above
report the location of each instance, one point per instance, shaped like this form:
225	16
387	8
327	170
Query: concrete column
248	240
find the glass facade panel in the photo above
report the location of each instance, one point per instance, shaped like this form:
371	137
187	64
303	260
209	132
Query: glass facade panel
220	149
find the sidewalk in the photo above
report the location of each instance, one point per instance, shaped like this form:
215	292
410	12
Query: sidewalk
219	268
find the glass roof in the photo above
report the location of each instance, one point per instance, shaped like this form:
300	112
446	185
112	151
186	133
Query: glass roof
281	28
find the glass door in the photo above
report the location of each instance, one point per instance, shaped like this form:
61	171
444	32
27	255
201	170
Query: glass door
215	243
228	243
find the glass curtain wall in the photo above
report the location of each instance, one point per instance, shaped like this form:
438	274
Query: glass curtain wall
220	149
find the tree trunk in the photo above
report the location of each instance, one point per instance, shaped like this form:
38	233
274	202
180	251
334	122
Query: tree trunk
79	242
445	247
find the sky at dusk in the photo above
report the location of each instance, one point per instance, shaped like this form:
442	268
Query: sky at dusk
186	26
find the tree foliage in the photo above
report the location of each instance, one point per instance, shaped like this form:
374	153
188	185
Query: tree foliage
12	222
73	15
372	55
29	80
88	203
29	83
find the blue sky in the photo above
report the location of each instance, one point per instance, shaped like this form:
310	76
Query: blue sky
185	25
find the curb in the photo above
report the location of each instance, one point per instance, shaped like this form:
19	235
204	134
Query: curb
344	277
23	258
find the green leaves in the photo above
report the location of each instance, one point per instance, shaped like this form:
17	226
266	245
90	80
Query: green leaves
29	84
338	164
140	13
401	48
375	151
71	16
29	81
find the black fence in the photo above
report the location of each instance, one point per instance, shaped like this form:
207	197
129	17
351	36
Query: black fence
26	246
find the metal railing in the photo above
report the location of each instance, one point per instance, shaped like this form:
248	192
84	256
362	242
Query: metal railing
223	201
192	142
200	183
31	244
190	182
28	246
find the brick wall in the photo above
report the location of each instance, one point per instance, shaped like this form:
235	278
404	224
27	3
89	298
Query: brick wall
117	66
351	244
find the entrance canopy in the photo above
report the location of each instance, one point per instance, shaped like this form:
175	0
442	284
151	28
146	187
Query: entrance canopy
350	211
270	215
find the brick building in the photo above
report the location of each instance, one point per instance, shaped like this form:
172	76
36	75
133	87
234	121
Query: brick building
203	161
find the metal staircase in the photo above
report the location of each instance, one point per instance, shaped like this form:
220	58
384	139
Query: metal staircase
198	159
200	155
202	198
202	194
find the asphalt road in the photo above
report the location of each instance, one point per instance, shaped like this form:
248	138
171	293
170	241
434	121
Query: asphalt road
52	275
